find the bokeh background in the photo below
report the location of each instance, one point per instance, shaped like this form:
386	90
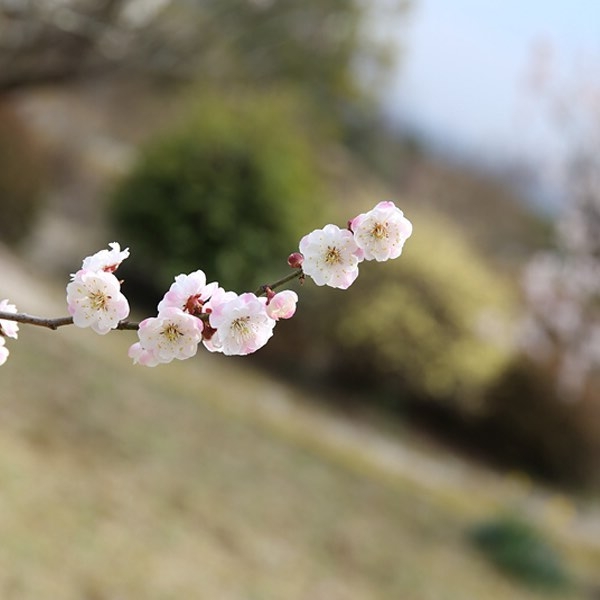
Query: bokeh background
431	433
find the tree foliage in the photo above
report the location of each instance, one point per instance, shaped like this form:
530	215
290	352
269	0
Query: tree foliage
231	191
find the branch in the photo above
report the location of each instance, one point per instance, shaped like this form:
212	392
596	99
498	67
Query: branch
54	324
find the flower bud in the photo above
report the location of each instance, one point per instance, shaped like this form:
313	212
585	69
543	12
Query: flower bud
295	260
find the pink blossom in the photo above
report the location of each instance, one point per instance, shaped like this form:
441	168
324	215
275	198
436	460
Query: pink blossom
218	299
94	299
8	328
3	351
141	356
282	305
106	260
188	293
214	306
331	256
173	334
381	232
242	325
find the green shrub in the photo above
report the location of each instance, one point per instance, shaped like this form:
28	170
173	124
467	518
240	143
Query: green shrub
230	190
21	177
520	550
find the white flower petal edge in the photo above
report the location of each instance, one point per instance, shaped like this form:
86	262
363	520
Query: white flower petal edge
331	256
8	328
106	260
381	232
188	293
94	300
3	351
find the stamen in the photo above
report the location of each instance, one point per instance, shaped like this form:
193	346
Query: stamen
99	300
380	231
333	255
241	327
171	332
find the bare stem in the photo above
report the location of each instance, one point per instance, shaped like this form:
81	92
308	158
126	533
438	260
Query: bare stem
262	290
54	324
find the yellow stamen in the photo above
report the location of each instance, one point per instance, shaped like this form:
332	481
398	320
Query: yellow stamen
333	256
171	332
240	327
380	231
99	300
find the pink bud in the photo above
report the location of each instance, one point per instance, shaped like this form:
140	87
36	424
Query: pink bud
282	305
295	260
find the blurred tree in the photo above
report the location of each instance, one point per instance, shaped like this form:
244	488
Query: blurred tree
49	41
560	332
22	176
232	189
325	46
562	286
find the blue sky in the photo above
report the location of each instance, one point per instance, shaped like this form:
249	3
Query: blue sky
463	75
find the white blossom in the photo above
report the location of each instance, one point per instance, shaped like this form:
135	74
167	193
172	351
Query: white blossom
173	334
331	256
242	325
188	293
381	232
106	260
94	299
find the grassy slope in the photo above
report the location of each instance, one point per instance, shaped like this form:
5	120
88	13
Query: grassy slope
205	480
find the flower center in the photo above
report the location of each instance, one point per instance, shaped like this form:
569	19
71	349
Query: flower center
171	332
379	231
241	327
99	300
333	256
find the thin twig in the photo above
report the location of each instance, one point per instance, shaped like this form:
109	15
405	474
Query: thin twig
262	290
54	324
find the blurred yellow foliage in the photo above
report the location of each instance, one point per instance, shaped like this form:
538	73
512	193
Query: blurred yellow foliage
439	319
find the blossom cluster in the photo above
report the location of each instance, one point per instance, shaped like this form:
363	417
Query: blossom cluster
194	312
332	255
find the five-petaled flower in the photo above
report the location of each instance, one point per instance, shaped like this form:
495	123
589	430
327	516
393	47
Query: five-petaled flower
331	256
381	232
94	299
242	325
173	334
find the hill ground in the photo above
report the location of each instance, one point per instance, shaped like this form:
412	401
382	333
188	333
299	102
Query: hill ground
207	479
